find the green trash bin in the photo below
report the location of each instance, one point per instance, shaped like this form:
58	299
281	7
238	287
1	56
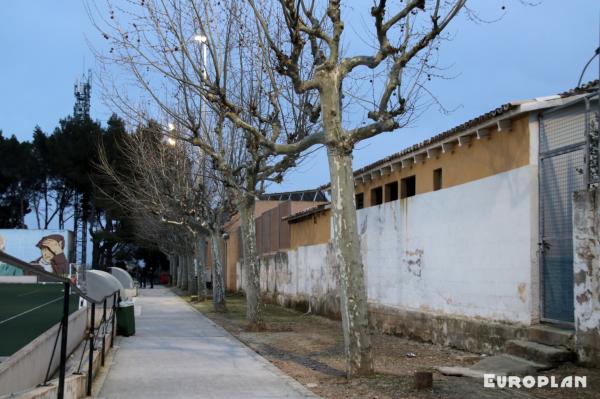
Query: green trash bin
125	319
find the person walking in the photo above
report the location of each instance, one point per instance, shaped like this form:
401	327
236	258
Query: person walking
151	276
143	277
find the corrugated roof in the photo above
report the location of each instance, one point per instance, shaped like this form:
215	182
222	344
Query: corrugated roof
315	195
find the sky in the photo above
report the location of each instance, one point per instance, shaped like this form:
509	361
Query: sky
533	51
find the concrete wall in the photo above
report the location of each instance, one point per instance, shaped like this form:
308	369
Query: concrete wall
586	269
27	367
451	266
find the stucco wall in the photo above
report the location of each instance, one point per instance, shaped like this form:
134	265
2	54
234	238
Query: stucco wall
305	278
462	251
497	153
586	269
312	230
461	254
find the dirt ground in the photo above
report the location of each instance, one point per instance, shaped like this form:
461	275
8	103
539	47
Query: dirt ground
310	349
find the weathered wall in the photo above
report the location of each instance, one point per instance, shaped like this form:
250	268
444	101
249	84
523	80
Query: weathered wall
312	230
586	269
437	264
272	233
233	246
463	251
304	279
498	153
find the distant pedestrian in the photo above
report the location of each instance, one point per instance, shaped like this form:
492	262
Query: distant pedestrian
151	276
143	278
143	273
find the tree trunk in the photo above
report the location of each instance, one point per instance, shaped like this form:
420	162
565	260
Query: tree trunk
192	288
199	260
96	258
254	306
184	273
178	272
346	244
218	281
109	246
172	270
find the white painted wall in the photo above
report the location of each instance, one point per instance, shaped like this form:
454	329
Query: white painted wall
463	251
307	272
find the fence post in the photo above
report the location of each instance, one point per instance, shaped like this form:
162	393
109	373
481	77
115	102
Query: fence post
63	343
112	333
91	353
104	332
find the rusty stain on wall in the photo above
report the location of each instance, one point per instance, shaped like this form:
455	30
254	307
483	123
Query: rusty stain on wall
521	288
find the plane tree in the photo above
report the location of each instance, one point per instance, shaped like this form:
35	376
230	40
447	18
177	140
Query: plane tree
181	55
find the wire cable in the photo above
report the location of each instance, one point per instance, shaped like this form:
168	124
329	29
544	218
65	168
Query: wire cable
587	65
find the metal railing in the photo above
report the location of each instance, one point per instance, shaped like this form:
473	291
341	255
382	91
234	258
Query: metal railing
70	287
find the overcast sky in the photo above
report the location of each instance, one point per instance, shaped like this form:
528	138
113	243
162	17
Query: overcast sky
530	52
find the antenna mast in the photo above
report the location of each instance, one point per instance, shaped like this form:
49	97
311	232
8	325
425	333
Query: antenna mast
83	91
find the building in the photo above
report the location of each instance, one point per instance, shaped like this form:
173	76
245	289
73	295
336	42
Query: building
466	238
272	233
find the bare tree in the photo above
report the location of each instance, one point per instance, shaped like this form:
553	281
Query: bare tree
302	44
275	70
184	55
161	186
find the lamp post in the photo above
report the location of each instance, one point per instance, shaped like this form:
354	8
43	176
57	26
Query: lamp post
202	40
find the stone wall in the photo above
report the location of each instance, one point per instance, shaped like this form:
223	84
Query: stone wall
586	269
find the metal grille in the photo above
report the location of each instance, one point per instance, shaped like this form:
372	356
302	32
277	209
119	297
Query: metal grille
564	148
559	179
561	129
594	152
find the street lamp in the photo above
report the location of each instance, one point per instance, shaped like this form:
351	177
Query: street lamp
170	140
202	39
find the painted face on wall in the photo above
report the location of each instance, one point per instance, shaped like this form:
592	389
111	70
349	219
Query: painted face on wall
50	246
47	255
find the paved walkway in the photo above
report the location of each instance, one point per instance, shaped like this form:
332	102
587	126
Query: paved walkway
179	353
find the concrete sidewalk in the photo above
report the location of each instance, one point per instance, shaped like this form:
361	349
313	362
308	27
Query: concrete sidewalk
179	353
